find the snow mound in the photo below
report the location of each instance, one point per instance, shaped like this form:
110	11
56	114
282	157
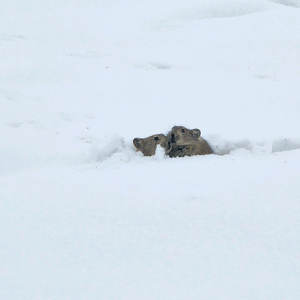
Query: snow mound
217	9
159	153
292	3
222	146
285	145
106	147
113	150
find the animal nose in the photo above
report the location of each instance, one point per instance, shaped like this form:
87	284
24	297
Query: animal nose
172	138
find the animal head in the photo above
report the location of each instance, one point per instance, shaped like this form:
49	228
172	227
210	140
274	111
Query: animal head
148	145
182	136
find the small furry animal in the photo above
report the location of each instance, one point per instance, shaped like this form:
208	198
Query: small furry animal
186	142
148	145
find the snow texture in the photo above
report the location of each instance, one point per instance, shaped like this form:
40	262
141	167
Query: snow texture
85	216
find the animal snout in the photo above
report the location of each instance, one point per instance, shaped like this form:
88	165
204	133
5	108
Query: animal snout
173	138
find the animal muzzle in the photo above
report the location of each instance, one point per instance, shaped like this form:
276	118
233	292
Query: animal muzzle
173	140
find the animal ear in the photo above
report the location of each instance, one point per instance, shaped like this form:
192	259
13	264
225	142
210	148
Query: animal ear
138	143
196	132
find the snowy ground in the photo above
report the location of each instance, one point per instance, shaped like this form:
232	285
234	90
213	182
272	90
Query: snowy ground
83	216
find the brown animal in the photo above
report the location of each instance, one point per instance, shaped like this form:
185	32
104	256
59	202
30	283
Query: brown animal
148	145
186	142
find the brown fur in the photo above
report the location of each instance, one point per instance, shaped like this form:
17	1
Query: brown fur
186	142
148	145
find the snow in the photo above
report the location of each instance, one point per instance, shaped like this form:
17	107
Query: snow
85	216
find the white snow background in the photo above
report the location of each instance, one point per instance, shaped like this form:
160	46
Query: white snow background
84	216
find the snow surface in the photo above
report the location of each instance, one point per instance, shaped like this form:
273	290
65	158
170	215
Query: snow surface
84	216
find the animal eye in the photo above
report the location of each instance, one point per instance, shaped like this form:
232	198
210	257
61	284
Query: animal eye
156	138
182	130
